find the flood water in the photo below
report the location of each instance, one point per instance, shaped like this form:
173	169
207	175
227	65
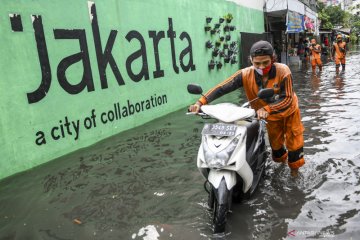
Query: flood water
144	184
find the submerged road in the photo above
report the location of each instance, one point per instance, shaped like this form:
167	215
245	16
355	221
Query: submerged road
144	184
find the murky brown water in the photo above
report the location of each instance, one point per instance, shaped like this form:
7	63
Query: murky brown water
144	184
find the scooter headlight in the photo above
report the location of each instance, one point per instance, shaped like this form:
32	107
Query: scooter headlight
219	159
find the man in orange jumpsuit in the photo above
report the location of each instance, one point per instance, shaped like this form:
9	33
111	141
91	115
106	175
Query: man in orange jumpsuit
282	112
339	52
315	57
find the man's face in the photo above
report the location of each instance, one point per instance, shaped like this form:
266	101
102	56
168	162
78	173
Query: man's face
261	61
313	42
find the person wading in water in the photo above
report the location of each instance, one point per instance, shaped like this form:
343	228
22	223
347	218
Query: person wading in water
281	112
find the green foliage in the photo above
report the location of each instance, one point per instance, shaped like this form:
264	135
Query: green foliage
228	17
325	20
336	15
347	19
320	6
355	27
331	16
353	37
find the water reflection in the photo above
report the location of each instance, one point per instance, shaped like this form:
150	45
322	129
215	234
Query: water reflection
330	211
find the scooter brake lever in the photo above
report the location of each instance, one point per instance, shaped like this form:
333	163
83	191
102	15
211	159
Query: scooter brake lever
261	120
194	113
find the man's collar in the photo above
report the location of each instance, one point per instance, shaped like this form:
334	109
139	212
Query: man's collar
272	72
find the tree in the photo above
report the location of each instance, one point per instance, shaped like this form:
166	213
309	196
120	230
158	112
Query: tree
347	20
325	20
336	15
324	17
355	29
332	16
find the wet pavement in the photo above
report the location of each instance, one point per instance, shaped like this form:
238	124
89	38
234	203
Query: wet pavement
144	184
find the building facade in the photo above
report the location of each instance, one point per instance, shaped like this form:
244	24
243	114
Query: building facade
354	8
75	72
290	22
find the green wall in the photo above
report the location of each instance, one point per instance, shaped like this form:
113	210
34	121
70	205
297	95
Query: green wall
33	125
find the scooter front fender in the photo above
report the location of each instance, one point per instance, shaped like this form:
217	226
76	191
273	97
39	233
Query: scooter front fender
215	177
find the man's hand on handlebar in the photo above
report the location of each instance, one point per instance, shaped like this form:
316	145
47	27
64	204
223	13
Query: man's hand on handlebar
195	108
262	113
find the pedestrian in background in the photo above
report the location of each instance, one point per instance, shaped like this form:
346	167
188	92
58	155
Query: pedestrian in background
326	42
307	51
301	50
315	55
339	53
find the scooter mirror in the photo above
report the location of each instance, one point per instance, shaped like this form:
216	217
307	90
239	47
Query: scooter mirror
266	93
194	89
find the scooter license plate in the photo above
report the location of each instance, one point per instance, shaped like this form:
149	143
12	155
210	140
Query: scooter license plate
219	129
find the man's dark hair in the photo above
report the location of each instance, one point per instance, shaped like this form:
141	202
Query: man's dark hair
261	48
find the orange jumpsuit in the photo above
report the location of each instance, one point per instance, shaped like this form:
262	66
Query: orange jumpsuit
315	57
284	121
339	55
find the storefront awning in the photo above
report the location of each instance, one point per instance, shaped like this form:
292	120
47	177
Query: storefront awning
291	5
299	18
344	30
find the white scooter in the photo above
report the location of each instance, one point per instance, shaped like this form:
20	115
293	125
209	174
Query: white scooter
232	154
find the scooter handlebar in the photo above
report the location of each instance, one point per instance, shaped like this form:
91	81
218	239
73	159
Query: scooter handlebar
194	113
260	120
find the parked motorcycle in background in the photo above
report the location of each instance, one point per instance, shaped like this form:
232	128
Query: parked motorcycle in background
232	154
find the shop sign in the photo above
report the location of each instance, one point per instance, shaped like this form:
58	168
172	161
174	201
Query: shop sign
309	24
295	22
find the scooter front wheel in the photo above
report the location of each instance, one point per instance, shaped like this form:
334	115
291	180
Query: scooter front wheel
222	203
219	217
